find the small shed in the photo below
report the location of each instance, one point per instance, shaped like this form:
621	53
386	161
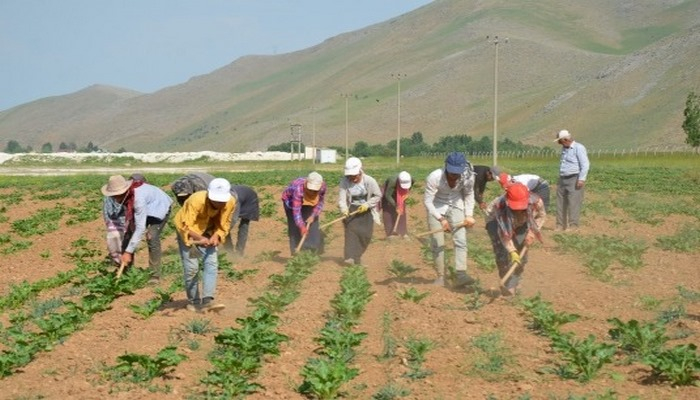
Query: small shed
326	156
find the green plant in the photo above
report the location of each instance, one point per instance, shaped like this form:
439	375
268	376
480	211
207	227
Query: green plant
338	343
391	391
199	326
413	295
638	339
491	361
679	364
401	270
688	295
417	348
390	345
686	240
323	377
648	303
139	368
584	358
544	319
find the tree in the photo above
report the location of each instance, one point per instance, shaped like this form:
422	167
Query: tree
13	147
691	124
47	148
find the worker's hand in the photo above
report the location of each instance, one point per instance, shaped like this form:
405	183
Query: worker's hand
482	205
469	222
445	225
214	241
363	208
303	230
127	258
580	184
310	220
399	212
530	238
514	257
345	213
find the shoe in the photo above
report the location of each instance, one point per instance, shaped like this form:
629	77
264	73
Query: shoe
349	261
439	281
462	279
191	308
153	281
214	307
406	237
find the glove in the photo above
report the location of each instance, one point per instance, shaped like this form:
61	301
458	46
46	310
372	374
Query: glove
514	257
362	208
346	213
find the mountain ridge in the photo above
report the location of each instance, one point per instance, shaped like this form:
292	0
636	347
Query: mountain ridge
616	75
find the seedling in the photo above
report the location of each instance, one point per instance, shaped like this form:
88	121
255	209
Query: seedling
401	270
413	295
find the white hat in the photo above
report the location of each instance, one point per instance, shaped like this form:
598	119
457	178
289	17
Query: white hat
353	166
405	180
563	134
116	185
314	181
219	190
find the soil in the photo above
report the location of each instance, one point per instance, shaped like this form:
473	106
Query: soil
74	368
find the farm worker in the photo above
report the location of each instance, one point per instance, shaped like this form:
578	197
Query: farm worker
394	197
248	209
114	216
573	171
303	202
147	208
359	194
202	223
514	220
482	175
188	184
449	202
535	184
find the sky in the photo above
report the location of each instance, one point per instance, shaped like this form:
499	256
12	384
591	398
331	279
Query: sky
57	47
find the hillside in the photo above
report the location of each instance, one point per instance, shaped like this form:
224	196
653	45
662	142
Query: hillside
614	73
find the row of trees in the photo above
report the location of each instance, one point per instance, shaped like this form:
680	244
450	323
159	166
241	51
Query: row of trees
14	147
416	146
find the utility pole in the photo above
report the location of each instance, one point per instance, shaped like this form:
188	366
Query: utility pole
398	114
346	96
313	132
495	100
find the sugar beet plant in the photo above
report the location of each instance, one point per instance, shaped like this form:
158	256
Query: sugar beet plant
543	318
325	375
142	368
239	353
601	251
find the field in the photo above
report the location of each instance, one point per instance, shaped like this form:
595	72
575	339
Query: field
609	312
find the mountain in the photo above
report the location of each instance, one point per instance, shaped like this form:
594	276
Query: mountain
615	73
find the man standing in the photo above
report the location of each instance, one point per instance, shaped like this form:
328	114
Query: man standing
449	201
202	223
573	171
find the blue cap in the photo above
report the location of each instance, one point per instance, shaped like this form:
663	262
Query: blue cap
455	163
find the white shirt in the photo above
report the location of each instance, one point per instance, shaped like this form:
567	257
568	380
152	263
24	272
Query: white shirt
439	196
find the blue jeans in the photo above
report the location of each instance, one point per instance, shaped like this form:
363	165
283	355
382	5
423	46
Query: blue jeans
190	263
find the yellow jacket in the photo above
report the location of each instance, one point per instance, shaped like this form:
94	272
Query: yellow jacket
198	216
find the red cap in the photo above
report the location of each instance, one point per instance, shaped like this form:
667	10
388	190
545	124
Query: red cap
517	196
504	179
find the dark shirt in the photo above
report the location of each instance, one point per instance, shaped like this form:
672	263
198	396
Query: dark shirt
247	202
480	182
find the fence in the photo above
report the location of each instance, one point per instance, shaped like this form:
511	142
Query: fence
592	153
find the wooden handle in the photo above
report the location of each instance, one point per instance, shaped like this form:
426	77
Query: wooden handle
396	224
327	224
513	267
303	238
121	269
438	230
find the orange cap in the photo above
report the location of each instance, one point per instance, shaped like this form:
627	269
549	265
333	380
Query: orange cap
517	196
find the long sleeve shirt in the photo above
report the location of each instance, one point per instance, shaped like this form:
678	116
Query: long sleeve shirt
536	215
248	204
293	199
574	161
439	196
480	182
529	180
149	201
197	215
369	186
